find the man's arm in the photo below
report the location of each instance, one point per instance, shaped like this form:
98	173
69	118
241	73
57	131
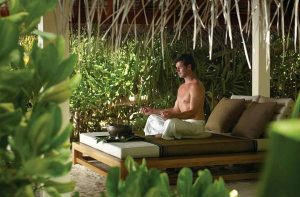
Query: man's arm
149	111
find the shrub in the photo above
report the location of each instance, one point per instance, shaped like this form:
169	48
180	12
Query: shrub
33	145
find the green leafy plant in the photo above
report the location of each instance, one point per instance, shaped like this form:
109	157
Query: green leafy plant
280	175
285	69
142	181
34	146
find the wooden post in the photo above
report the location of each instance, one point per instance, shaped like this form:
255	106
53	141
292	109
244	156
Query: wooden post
260	73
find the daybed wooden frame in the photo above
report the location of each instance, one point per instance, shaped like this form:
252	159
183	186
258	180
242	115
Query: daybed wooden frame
85	155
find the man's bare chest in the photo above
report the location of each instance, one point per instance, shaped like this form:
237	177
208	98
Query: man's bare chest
183	94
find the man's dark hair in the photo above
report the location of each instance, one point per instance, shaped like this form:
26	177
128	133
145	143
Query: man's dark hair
187	59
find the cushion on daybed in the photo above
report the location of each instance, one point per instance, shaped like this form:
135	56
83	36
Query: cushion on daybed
254	120
225	115
217	143
283	108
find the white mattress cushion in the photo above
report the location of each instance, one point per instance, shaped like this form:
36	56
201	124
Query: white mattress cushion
136	149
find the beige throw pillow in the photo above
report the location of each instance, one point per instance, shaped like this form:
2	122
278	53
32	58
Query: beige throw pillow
254	120
225	115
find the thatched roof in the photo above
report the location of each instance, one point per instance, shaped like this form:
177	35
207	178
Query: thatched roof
201	15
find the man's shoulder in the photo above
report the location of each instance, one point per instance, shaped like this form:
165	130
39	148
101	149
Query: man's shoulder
197	83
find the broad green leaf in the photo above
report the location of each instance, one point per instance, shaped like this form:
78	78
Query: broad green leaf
17	18
202	182
61	137
8	38
8	93
21	144
66	69
165	185
39	131
25	191
60	44
35	9
60	92
15	6
132	184
9	121
27	28
112	182
217	189
130	164
57	117
45	167
11	82
61	153
45	35
46	61
52	191
148	179
287	128
17	58
279	177
184	182
61	187
154	191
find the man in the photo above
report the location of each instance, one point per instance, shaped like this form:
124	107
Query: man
186	118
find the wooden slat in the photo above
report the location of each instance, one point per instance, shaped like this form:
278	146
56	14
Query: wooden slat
239	176
91	166
205	160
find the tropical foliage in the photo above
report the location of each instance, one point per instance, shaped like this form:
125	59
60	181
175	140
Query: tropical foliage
142	181
285	70
34	146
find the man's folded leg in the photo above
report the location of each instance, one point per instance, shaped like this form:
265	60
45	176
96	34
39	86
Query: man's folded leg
176	128
154	125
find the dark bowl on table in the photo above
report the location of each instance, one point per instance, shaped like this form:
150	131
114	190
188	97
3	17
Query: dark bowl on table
119	130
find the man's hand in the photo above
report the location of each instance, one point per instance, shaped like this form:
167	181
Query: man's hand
147	110
167	114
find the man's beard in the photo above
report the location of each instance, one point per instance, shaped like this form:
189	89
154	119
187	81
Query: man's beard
181	75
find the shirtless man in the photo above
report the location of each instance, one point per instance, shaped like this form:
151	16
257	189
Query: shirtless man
186	118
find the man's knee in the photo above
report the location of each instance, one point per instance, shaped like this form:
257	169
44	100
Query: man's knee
174	121
153	117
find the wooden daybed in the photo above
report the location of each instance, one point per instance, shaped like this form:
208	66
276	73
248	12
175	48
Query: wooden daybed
217	150
100	161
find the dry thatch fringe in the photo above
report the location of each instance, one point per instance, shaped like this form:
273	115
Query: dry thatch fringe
204	15
241	31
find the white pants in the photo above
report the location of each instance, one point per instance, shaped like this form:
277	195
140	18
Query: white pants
175	128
